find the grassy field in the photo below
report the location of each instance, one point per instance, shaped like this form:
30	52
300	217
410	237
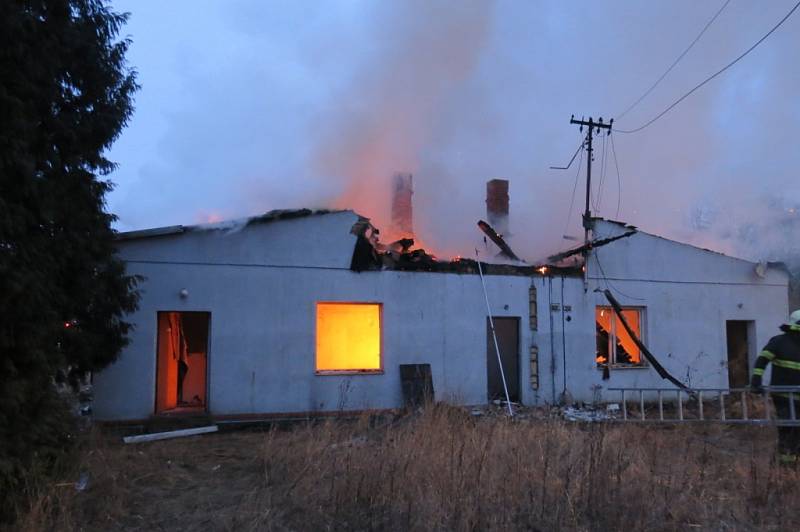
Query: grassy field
440	470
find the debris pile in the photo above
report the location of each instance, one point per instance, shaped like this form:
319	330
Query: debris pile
587	415
371	254
577	412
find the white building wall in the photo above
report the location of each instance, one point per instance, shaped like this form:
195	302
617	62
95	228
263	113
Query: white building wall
565	333
261	283
688	294
263	323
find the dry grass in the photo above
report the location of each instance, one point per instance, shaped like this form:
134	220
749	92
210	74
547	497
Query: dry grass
442	470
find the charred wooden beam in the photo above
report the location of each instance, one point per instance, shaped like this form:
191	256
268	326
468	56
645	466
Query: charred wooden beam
498	240
663	373
586	247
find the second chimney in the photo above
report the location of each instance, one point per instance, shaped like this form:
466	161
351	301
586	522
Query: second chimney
497	205
402	214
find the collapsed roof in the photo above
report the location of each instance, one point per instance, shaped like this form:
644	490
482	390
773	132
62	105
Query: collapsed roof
370	254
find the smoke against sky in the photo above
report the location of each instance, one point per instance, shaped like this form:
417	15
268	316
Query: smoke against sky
248	106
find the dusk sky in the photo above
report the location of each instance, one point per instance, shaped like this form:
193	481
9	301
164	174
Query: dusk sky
248	106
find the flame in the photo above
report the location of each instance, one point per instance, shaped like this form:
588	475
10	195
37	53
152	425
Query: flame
209	217
542	270
348	337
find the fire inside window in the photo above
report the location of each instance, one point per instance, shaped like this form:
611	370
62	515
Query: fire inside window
348	337
614	345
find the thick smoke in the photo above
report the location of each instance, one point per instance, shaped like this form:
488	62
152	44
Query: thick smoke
387	117
252	106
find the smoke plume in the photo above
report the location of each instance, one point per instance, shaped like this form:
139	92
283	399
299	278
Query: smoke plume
250	106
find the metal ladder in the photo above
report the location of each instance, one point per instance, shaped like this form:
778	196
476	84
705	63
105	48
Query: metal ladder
689	405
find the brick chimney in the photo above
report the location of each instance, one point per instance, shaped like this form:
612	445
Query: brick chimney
497	205
402	213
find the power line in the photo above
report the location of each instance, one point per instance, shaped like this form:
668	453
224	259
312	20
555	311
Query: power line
654	85
609	284
723	69
574	189
619	179
603	168
571	160
596	198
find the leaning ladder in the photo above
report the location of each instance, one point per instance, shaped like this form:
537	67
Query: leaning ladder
689	405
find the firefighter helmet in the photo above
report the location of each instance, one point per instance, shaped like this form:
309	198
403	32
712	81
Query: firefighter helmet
794	319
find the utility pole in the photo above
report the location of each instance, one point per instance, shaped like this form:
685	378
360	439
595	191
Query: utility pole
593	127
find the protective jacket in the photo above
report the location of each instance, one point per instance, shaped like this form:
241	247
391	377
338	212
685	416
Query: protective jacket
783	352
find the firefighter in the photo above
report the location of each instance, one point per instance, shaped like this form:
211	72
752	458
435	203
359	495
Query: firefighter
783	351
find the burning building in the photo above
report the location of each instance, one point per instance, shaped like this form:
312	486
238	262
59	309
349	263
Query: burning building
309	311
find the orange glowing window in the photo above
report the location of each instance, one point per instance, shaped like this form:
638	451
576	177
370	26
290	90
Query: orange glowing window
614	344
348	337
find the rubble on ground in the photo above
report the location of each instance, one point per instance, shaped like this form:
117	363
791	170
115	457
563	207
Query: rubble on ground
575	412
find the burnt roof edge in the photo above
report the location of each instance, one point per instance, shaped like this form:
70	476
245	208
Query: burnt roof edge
227	225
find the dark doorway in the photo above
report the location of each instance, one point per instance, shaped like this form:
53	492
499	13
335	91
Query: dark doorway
182	362
738	334
507	330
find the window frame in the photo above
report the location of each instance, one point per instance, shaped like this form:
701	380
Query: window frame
335	372
612	344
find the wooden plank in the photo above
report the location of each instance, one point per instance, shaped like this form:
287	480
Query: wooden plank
169	435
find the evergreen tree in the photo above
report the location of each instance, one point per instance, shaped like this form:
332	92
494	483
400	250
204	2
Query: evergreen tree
65	95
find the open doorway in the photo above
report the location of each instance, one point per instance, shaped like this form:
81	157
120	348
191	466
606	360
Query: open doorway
739	335
182	362
507	330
